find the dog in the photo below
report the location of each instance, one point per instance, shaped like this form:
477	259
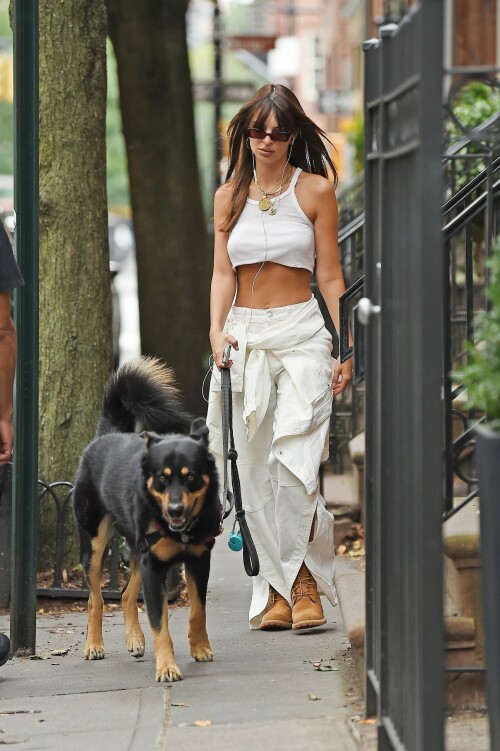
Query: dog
149	476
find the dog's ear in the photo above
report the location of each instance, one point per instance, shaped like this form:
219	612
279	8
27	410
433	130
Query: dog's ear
150	437
199	430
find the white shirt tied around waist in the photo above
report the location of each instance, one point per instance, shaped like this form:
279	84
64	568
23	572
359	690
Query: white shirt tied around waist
303	345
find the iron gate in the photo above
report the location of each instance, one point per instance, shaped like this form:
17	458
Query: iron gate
404	276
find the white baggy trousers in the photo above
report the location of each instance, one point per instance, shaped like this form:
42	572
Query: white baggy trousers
282	398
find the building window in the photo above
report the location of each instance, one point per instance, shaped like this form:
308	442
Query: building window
314	66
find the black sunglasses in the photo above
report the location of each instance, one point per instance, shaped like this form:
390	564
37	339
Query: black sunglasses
275	135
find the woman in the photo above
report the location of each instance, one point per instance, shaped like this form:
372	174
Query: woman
276	218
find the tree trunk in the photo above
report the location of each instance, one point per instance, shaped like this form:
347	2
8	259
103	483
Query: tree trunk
149	40
75	302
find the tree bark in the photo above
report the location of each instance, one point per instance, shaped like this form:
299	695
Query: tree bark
149	40
75	301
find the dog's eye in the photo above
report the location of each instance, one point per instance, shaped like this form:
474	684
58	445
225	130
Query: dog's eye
162	479
190	478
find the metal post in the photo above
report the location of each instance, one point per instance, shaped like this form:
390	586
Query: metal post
218	93
486	460
25	500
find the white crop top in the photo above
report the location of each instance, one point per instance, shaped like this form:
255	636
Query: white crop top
288	234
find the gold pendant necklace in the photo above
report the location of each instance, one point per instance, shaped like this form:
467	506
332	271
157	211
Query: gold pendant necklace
265	203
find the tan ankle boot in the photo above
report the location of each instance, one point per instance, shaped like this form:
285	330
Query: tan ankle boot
307	611
278	614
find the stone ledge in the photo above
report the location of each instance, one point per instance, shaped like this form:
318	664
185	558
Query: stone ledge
357	448
350	584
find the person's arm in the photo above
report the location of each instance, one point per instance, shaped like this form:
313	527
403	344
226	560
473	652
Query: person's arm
328	269
7	370
223	287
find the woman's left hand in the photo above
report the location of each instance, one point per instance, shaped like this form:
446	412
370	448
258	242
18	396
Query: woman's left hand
342	374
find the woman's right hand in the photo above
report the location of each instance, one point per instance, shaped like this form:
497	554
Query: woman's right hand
218	340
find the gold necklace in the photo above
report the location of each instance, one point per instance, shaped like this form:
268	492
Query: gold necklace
265	203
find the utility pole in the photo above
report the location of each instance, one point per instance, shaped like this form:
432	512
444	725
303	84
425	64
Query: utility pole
217	93
25	482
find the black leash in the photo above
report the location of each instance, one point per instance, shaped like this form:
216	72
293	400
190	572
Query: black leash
250	558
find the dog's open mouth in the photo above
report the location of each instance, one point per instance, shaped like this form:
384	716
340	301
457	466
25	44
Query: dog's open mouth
177	525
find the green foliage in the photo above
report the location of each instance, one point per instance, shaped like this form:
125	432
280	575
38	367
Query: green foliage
6	138
116	167
481	376
356	137
474	104
5	30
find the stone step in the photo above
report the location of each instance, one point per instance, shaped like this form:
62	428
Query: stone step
462	622
357	452
350	585
340	493
463	612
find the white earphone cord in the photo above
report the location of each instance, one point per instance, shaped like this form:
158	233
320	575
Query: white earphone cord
278	199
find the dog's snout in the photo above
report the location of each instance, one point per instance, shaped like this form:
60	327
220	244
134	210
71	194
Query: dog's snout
175	510
175	506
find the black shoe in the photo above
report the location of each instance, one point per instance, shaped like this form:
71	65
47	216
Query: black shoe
4	649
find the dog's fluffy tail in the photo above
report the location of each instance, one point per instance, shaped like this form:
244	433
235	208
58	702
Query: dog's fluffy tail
142	395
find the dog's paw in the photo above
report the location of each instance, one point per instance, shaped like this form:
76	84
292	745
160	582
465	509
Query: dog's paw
168	674
202	653
136	644
94	651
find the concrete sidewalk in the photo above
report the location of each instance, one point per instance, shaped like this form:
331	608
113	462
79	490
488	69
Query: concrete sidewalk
259	691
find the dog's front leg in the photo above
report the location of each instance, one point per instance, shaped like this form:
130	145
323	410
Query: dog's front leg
155	594
197	572
133	631
93	550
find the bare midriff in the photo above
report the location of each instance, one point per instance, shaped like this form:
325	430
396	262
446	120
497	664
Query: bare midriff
275	286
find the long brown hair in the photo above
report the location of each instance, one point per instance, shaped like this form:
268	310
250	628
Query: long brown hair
307	151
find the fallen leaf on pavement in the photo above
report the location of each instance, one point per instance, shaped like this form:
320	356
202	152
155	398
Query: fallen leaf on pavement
179	704
40	656
202	723
59	652
368	721
312	697
321	665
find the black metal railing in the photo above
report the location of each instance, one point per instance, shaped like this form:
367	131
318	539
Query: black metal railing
60	494
470	220
470	224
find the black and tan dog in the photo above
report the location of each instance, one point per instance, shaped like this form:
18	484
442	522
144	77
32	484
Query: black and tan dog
159	490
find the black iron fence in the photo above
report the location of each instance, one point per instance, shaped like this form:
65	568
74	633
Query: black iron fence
403	343
400	148
470	220
470	224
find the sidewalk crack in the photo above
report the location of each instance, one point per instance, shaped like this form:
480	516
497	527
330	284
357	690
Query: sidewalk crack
166	720
138	716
